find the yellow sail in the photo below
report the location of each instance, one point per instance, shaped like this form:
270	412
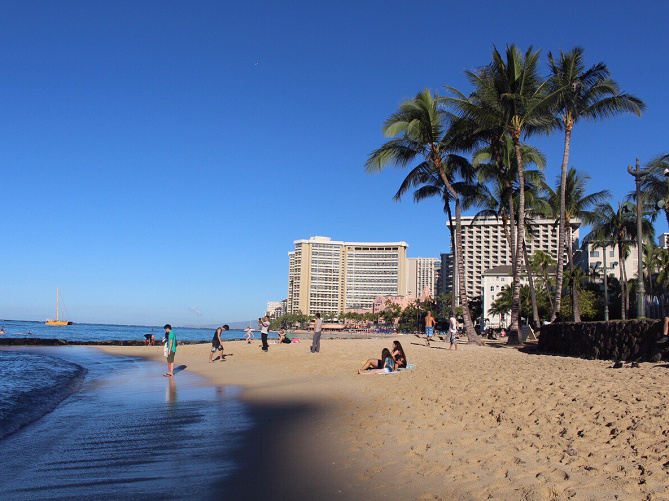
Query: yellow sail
57	322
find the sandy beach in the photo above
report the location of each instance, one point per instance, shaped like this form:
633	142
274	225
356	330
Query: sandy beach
483	422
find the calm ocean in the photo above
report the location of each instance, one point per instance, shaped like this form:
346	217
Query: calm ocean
76	423
102	332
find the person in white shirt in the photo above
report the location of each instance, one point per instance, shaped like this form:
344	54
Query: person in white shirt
263	323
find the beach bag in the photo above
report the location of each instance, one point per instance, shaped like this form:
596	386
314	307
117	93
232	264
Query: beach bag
165	350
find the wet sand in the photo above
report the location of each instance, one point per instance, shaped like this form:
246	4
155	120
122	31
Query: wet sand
128	433
481	423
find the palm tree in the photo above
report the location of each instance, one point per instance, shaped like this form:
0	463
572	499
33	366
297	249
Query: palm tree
620	226
509	96
577	205
584	94
655	183
429	184
504	187
542	261
418	131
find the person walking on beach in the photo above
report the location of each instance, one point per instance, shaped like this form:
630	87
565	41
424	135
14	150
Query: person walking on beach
217	344
453	332
429	328
264	331
171	349
316	341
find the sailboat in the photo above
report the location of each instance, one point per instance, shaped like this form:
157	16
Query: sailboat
57	322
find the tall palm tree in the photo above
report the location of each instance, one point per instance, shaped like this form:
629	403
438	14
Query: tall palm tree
577	205
428	183
620	226
503	187
542	261
655	183
584	94
509	95
418	130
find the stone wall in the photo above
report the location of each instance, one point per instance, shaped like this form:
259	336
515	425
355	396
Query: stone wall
617	340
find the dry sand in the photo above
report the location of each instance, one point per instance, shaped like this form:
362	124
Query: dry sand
485	422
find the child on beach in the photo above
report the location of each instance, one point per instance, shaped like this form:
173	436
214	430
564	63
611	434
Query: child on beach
385	364
249	335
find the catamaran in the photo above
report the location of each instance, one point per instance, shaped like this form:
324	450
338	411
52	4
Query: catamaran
57	322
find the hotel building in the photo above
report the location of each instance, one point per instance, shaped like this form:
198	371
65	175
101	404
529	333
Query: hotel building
422	272
329	276
484	246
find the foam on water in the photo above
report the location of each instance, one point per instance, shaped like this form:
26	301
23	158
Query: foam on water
32	385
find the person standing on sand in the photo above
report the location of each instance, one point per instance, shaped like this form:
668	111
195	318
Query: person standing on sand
171	349
453	332
217	344
316	341
264	331
429	328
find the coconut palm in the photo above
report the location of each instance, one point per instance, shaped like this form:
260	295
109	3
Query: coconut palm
655	182
428	183
620	226
509	96
584	94
577	205
503	187
418	130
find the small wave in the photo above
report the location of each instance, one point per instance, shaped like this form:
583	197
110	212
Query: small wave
32	385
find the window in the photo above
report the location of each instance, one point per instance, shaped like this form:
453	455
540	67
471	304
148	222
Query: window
594	253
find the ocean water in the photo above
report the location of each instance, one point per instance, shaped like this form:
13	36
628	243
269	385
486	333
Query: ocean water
102	332
32	385
108	427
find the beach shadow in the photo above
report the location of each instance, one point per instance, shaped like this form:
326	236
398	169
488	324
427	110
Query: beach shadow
663	366
179	368
282	456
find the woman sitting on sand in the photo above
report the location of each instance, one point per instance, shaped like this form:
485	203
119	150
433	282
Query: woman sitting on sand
385	364
398	355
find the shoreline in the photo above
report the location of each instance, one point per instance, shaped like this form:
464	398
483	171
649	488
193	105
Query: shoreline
477	423
128	433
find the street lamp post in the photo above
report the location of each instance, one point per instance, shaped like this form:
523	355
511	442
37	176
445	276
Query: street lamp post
638	176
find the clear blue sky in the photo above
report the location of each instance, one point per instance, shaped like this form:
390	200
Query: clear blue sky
158	156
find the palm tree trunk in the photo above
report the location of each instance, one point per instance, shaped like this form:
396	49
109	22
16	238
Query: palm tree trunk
515	312
576	311
533	296
469	325
453	246
623	280
561	233
514	337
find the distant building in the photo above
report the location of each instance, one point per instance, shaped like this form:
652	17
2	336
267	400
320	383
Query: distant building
663	240
590	259
329	276
446	275
422	272
275	309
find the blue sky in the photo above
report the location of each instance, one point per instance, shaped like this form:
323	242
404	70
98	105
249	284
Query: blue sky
162	156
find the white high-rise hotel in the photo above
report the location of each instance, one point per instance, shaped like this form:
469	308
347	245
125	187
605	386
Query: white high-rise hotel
327	276
484	246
